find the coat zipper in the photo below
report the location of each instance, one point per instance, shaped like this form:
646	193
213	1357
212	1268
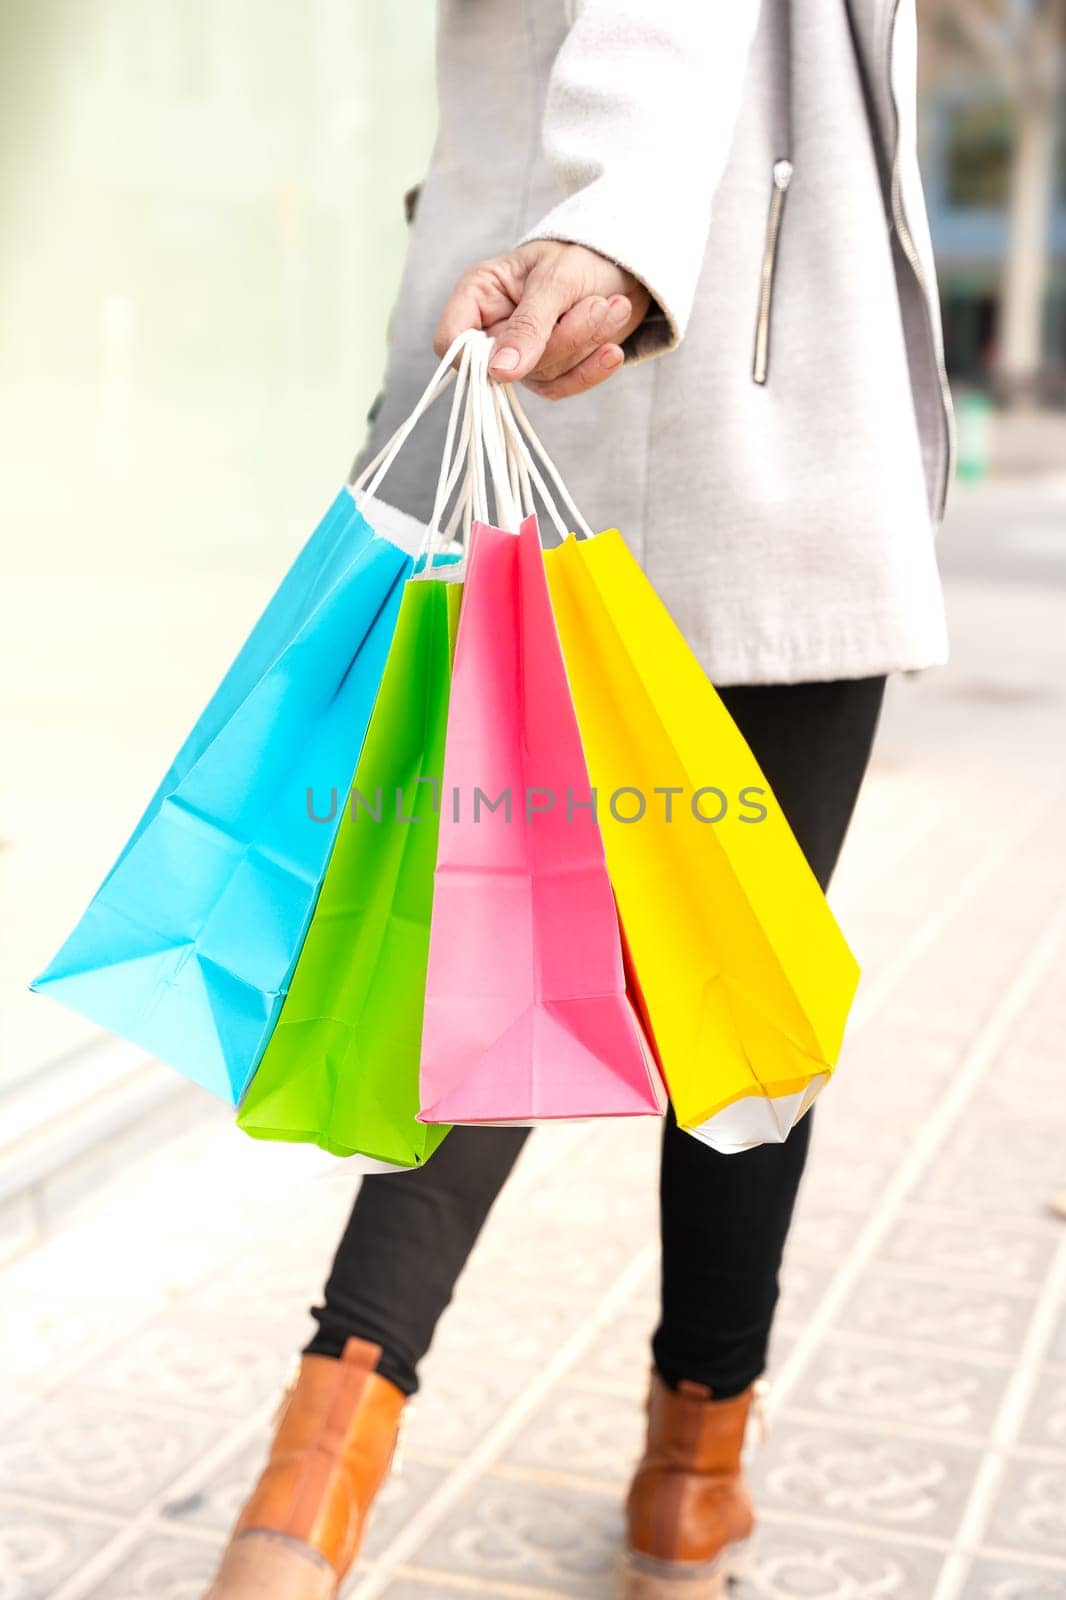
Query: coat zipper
910	250
903	233
782	180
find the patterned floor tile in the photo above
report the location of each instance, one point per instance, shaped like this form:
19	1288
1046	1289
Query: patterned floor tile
248	1296
782	1343
959	1249
557	1261
423	1589
985	1173
950	990
214	1504
622	1354
998	1580
646	1290
1030	1510
480	1328
625	1196
797	1563
835	1177
1045	1419
823	1229
901	1386
513	1532
176	1362
18	1226
1057	1347
633	1142
804	1281
1030	1072
16	1397
403	1494
40	1549
159	1568
325	1204
456	1406
960	1316
76	1449
61	1320
905	1485
585	1432
870	1069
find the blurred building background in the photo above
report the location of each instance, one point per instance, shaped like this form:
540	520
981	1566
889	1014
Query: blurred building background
994	163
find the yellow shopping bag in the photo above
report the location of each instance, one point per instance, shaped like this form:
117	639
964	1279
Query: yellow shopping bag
745	975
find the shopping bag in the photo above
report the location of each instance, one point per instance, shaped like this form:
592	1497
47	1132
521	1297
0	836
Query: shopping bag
526	1013
341	1068
187	946
745	975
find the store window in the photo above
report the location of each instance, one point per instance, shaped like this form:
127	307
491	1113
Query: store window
199	247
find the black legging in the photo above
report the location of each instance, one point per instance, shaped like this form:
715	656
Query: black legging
724	1218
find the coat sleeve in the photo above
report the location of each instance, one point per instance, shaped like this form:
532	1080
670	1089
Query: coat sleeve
641	106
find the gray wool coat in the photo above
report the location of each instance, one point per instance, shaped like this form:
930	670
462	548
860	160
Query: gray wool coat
777	451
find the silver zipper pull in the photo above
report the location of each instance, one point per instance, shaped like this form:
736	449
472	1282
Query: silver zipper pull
782	176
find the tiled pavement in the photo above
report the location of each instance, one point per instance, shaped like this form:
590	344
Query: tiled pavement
918	1445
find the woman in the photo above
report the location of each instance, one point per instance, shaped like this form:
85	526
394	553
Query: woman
733	191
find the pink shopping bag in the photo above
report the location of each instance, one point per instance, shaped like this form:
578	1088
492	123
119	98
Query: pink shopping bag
527	1017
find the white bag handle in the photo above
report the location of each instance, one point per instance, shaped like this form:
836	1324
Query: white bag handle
454	458
527	470
462	515
490	440
477	442
370	479
479	494
517	459
491	432
514	419
467	459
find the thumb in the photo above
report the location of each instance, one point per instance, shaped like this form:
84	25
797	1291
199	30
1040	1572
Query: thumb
522	339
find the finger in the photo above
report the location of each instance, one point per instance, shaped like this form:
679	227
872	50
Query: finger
581	332
479	300
639	300
595	369
548	294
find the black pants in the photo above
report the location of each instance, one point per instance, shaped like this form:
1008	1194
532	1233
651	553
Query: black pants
724	1218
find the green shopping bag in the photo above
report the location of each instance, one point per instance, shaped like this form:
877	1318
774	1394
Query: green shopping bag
341	1069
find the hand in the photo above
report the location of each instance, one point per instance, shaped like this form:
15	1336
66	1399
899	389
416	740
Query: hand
558	313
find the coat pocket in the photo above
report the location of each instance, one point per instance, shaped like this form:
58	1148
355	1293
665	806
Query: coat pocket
782	178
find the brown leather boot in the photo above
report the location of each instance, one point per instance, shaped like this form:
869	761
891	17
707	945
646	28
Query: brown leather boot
302	1528
689	1513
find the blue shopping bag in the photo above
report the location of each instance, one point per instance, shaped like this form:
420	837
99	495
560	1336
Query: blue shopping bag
188	946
